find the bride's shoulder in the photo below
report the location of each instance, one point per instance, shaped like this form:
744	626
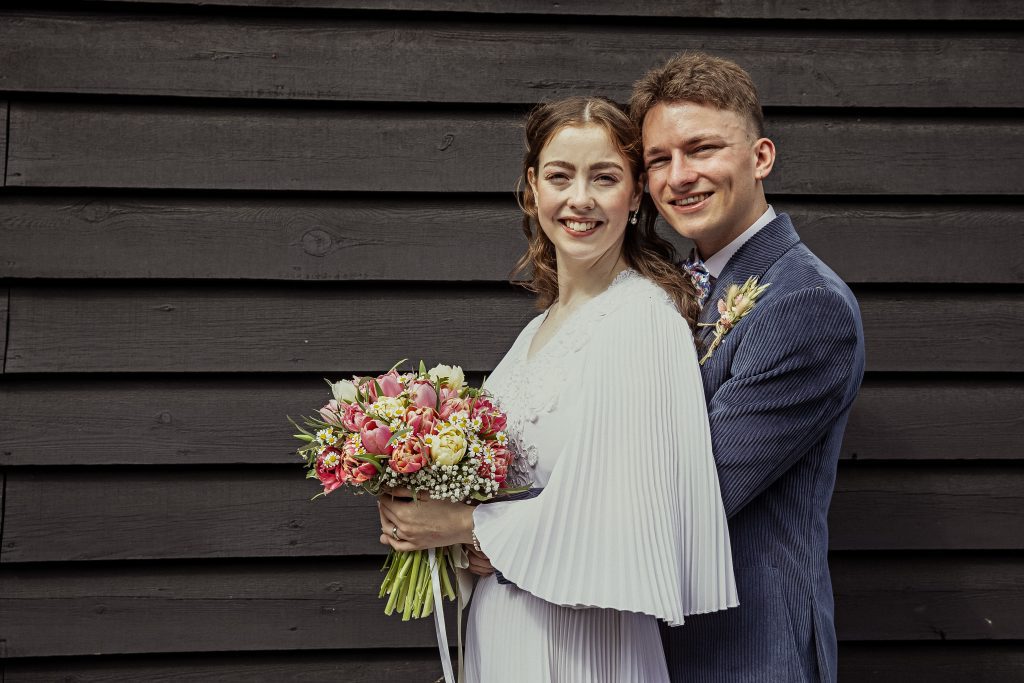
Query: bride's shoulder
635	296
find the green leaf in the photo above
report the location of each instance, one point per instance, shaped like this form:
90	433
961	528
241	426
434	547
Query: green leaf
423	369
297	426
399	434
303	437
393	367
372	460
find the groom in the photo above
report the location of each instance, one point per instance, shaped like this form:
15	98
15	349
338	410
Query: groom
778	386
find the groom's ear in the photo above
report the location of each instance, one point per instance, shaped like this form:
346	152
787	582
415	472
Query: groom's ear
764	158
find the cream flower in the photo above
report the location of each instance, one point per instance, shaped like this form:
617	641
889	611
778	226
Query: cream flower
344	391
447	374
449	447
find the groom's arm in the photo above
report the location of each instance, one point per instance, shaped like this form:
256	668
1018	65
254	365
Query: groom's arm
790	381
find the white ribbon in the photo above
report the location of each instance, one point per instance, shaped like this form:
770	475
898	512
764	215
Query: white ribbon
442	633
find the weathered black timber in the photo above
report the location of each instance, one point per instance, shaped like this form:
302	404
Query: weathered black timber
4	111
288	329
5	302
330	666
332	604
924	419
240	512
195	420
912	10
134	146
372	60
945	662
412	238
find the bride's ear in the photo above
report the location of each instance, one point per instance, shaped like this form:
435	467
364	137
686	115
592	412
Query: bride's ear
638	192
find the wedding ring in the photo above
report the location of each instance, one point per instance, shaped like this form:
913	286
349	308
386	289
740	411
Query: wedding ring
394	533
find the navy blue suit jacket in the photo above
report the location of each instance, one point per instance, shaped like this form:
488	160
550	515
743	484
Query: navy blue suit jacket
779	390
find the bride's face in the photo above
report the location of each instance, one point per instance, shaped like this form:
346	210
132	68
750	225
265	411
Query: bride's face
585	192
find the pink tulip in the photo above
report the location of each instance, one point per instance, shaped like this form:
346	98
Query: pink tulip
330	477
330	413
390	385
422	394
492	420
375	437
411	457
447	393
421	420
452	406
358	471
353	417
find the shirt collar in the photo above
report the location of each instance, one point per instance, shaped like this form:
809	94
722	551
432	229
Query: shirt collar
716	264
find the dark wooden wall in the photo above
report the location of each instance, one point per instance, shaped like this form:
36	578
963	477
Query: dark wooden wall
205	209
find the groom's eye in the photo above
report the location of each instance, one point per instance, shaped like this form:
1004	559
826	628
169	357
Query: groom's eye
656	162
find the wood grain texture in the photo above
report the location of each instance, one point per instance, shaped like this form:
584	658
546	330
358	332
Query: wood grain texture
98	328
943	662
226	420
866	10
280	330
286	237
872	662
330	666
352	59
4	112
154	514
332	604
60	145
5	304
912	419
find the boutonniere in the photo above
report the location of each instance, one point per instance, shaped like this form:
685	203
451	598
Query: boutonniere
737	303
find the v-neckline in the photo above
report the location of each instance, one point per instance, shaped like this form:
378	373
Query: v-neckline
531	355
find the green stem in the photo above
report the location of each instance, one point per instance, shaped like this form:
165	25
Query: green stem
413	584
442	567
402	559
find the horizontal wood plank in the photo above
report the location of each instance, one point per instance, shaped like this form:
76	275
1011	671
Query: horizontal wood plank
352	59
58	145
865	10
388	666
906	419
181	420
411	238
943	662
159	514
4	111
5	302
97	328
332	604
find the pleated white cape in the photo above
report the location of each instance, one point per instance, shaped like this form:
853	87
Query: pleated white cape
611	414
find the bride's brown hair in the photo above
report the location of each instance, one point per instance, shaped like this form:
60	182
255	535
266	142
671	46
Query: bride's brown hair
643	249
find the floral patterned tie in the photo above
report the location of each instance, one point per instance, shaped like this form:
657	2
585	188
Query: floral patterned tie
700	276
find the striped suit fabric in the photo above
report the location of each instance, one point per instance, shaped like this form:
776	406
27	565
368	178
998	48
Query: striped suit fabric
779	390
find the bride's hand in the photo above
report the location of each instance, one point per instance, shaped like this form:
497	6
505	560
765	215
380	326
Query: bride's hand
423	523
479	563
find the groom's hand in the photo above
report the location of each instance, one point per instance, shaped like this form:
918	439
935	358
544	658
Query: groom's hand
479	563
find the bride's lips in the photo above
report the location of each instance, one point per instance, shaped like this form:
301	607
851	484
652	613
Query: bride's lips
690	203
580	227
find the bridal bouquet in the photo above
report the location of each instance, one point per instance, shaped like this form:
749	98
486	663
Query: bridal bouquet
425	431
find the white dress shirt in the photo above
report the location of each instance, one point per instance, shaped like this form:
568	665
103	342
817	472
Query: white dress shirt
716	264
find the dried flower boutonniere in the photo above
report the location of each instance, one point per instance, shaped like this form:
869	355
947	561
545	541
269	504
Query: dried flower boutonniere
737	303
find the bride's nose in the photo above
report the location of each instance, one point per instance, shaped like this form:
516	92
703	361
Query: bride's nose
581	197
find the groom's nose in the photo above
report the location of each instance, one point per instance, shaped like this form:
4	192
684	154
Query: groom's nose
681	173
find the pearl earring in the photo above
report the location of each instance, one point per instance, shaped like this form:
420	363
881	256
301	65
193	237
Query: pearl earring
633	219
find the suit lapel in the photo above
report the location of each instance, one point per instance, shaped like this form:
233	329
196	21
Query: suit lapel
753	259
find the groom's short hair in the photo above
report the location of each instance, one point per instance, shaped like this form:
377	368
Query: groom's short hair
701	78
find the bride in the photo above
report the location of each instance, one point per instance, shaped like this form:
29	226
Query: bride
606	410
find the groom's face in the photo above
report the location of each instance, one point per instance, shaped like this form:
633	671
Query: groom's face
703	172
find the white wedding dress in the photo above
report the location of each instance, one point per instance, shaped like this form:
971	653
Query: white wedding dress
630	528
